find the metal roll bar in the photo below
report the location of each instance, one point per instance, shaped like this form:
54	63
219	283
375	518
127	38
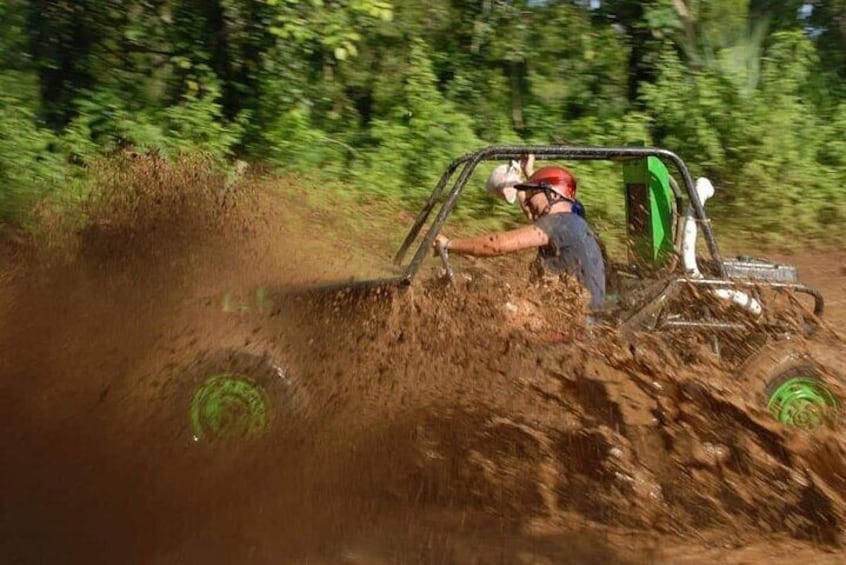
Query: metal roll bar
469	162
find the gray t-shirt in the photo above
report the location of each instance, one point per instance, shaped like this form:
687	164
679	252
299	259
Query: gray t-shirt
573	249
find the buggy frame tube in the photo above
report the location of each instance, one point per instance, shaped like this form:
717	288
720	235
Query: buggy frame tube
653	307
688	325
427	209
819	303
508	152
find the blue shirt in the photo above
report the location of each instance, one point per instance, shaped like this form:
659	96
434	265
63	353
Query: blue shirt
573	249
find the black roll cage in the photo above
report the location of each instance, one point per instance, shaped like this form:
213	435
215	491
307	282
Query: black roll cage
470	161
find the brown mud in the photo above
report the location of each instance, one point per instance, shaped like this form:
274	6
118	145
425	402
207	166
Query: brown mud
432	425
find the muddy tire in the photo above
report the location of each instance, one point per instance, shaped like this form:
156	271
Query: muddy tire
794	388
237	395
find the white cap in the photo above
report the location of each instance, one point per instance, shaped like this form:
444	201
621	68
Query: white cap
502	180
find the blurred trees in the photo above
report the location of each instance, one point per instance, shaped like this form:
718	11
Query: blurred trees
384	93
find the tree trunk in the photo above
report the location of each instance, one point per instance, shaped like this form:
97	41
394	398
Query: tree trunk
516	70
688	22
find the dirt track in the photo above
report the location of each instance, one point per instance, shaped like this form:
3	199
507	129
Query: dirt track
426	427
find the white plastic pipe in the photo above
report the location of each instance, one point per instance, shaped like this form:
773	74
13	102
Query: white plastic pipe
705	190
740	298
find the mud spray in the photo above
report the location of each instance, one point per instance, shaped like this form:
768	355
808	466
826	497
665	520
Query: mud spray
430	425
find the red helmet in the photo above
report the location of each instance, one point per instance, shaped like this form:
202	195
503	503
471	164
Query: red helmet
552	177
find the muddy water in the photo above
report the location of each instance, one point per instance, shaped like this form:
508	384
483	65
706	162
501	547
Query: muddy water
432	425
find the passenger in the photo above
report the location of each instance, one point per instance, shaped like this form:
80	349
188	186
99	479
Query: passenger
566	245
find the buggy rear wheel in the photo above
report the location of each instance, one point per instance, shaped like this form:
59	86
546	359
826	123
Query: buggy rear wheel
796	390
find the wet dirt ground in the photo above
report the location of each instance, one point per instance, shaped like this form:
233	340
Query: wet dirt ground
425	426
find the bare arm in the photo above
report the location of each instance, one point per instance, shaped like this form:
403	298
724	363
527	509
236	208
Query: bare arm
491	245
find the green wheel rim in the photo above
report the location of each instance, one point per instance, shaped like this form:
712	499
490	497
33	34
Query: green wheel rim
229	406
803	402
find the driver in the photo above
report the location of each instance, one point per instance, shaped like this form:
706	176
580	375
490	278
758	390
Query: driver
566	245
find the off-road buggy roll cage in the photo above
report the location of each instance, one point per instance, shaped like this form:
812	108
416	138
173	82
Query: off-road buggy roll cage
543	152
720	277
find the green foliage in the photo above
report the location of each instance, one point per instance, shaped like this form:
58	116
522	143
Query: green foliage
663	18
413	144
787	188
383	94
768	149
294	144
197	123
686	108
105	125
27	168
330	28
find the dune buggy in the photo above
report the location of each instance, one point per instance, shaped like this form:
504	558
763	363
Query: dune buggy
751	311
